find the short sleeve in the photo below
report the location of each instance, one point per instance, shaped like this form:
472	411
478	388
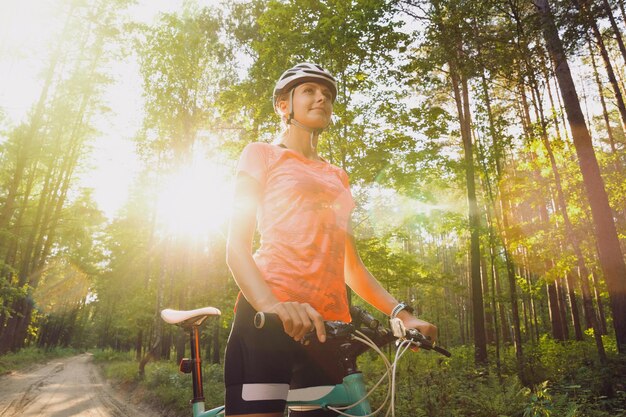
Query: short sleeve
344	178
253	161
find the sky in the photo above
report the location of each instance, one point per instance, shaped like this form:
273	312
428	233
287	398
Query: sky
26	29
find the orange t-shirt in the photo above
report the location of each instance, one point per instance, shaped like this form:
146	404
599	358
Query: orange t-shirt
302	217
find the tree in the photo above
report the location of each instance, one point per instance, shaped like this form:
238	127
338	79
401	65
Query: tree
184	66
448	33
43	157
611	258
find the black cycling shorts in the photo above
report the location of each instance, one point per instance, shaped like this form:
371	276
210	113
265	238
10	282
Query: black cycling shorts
261	365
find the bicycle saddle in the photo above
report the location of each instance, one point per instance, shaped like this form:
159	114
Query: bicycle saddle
189	317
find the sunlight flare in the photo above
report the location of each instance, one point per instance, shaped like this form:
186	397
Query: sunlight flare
195	201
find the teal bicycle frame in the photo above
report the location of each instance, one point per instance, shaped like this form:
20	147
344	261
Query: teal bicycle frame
350	391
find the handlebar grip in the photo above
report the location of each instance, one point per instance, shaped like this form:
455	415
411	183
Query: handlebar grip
425	342
262	319
273	321
442	351
360	315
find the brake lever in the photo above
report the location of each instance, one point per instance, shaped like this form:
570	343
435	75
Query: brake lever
426	343
415	336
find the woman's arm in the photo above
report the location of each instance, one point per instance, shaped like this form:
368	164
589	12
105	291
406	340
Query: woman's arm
297	318
367	287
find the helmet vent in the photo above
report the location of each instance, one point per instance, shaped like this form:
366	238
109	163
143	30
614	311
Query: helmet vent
301	73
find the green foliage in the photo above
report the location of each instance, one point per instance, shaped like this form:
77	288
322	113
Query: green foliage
212	70
431	386
356	42
540	402
563	361
170	387
110	355
122	372
163	385
47	218
184	65
9	291
24	358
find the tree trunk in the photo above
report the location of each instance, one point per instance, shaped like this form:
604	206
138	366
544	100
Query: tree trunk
616	31
560	290
36	120
181	342
561	109
584	10
599	303
611	258
498	156
489	330
555	316
605	112
573	304
138	345
216	343
531	304
157	345
32	266
553	110
62	162
461	94
490	272
574	242
620	3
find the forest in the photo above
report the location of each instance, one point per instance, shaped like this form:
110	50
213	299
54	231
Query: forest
485	144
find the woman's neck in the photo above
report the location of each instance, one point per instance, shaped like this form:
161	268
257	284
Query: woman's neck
299	140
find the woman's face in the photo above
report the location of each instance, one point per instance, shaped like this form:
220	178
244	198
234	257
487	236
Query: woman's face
312	105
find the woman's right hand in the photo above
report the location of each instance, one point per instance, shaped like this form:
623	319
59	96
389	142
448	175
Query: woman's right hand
299	319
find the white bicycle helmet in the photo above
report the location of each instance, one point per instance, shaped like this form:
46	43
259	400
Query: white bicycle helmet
302	73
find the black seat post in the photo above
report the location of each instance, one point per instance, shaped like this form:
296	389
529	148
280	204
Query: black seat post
196	365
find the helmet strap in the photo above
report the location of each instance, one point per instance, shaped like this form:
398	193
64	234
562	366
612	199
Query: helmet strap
291	113
314	133
311	130
291	120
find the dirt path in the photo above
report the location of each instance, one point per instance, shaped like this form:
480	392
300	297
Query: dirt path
61	388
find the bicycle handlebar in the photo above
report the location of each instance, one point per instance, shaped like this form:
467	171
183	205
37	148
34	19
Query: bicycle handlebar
334	329
364	322
424	342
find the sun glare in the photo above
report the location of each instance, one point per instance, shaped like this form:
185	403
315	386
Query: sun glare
195	201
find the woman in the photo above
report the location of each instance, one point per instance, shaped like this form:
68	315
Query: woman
307	254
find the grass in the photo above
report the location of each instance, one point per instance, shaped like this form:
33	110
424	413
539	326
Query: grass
162	386
566	381
30	356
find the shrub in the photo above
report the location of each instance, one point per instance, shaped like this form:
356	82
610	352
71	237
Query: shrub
163	385
26	357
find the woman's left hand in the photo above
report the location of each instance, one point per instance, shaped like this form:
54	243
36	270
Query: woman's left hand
411	322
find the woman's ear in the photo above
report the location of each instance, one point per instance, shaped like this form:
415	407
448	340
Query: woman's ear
281	106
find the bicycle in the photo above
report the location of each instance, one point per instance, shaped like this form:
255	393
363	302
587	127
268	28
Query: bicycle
350	398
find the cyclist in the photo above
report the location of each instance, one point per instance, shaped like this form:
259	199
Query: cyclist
307	254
